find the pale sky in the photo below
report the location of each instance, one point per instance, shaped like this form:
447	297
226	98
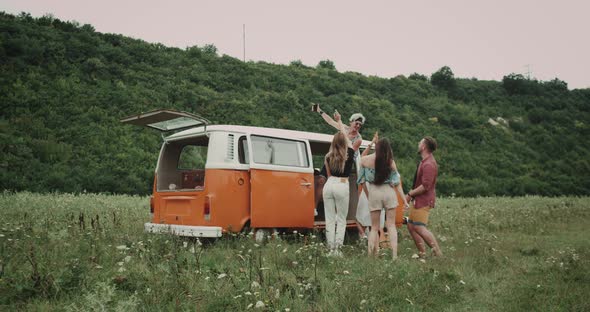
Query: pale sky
481	39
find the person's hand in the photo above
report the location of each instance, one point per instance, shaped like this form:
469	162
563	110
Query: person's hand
406	206
376	137
408	198
337	116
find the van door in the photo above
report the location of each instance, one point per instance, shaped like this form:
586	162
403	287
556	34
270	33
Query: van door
281	181
166	120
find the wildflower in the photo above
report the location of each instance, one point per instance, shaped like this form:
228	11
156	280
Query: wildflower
363	301
122	247
248	293
277	293
409	301
447	288
462	282
295	263
287	310
127	259
346	272
409	284
238	296
121	269
184	244
415	256
285	250
259	304
255	284
120	263
222	275
422	260
249	306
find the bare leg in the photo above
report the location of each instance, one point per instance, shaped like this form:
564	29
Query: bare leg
429	238
374	234
418	240
392	231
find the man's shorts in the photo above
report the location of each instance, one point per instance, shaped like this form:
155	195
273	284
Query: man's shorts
381	196
419	216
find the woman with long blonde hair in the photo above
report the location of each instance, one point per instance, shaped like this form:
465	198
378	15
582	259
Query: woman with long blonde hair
336	191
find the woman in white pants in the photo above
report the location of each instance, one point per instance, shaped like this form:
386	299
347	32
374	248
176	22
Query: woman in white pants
379	176
338	164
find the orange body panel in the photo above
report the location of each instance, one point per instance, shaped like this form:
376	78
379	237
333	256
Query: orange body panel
229	197
399	211
282	199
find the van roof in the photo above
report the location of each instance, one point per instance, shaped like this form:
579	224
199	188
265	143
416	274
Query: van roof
271	132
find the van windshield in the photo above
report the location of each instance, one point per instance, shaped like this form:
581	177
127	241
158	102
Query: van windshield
182	165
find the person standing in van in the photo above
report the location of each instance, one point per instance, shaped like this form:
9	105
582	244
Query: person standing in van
357	120
338	163
378	175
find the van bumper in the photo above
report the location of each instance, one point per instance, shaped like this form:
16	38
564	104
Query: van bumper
183	230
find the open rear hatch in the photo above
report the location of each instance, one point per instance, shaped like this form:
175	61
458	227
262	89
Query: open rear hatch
166	120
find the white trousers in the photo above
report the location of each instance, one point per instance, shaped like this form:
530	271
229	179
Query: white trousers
336	196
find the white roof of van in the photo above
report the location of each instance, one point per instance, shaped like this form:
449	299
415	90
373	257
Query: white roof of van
271	132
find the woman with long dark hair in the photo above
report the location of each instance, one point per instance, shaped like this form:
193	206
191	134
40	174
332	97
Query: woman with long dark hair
379	176
336	191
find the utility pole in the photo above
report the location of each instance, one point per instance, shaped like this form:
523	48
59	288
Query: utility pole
528	71
244	33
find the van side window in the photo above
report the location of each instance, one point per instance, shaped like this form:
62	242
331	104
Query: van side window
281	152
243	150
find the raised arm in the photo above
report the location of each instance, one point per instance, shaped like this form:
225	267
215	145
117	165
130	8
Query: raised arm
374	141
342	128
327	118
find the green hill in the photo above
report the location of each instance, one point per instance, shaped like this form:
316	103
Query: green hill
63	88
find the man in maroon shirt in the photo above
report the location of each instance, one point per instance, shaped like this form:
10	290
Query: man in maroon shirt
423	195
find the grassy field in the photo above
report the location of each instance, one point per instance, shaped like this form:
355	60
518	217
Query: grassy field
89	253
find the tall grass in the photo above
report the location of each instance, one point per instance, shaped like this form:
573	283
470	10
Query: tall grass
88	252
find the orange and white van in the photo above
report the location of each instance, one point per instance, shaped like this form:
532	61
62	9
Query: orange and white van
216	179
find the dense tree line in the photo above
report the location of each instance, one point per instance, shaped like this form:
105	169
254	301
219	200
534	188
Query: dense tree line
64	86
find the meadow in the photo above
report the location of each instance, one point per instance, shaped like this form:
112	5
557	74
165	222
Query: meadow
88	252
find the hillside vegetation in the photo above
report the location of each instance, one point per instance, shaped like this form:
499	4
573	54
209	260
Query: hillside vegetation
64	86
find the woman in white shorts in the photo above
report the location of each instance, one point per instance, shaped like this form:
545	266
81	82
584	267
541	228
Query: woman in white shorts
379	176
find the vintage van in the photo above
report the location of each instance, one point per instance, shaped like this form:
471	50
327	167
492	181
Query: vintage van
216	179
